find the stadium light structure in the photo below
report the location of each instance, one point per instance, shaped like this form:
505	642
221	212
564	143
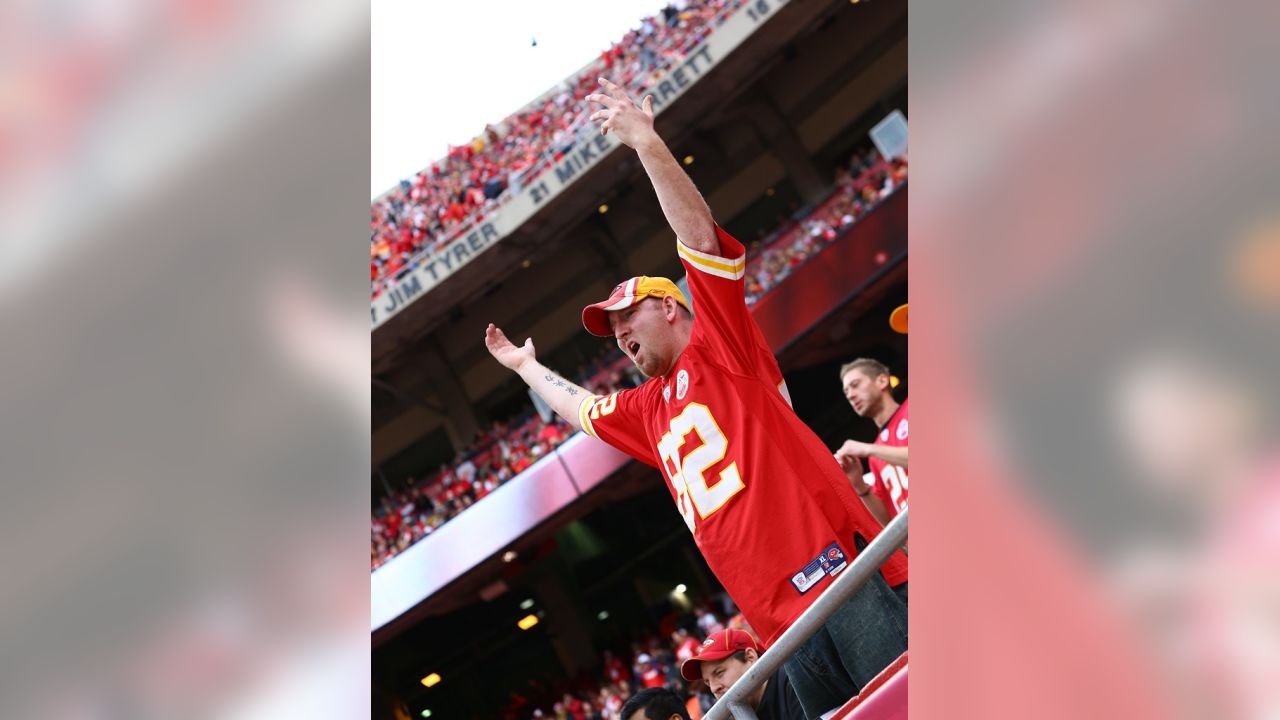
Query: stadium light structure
894	381
527	622
604	208
426	713
431	680
681	588
688	159
508	556
526	603
602	615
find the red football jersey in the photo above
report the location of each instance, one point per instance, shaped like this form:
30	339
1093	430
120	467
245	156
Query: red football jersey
768	506
891	480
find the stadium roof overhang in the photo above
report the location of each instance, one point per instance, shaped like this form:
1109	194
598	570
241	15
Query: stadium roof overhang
704	104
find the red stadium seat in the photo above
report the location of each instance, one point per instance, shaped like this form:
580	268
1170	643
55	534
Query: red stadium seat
884	698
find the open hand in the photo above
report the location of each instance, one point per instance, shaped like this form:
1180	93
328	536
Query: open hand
631	123
504	351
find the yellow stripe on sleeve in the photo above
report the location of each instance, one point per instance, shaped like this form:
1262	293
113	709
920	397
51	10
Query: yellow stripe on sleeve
711	262
583	418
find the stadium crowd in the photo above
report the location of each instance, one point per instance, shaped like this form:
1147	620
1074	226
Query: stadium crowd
859	188
423	213
499	453
651	660
505	449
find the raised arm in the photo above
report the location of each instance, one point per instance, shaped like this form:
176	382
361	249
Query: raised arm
563	396
687	213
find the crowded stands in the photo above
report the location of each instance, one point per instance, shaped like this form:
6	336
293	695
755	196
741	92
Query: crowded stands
652	660
788	247
499	453
506	449
441	202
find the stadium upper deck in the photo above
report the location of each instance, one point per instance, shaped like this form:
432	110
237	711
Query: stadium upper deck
762	131
412	223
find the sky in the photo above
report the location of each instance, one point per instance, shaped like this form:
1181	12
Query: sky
442	70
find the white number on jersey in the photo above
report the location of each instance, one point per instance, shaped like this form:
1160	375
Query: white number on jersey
693	496
895	481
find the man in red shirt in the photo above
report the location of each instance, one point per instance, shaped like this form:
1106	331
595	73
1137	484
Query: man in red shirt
685	644
648	672
867	388
726	656
768	507
614	671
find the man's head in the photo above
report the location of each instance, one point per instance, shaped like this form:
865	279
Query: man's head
866	385
654	704
722	659
650	319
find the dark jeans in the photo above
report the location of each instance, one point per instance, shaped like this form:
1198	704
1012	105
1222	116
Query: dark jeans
851	648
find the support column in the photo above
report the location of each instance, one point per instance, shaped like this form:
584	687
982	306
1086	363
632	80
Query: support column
607	248
566	621
460	421
776	132
383	477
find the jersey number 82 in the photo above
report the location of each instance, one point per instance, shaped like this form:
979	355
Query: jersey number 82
694	497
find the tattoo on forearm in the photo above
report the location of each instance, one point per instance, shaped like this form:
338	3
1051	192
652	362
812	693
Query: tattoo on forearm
559	382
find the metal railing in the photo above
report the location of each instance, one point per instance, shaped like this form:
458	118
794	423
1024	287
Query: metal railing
733	704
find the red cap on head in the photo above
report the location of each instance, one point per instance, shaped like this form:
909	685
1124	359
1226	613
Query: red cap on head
595	318
717	646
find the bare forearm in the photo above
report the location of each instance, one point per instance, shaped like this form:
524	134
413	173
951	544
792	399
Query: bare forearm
687	213
563	396
891	454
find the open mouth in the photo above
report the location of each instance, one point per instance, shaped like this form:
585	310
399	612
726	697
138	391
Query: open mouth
633	347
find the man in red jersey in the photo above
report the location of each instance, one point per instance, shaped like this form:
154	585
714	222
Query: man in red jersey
868	389
769	508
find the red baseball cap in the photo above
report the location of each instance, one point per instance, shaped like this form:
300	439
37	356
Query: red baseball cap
595	318
717	646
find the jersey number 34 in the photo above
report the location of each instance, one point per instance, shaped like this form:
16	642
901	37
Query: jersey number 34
694	497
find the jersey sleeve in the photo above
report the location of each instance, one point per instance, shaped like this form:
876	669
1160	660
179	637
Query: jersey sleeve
721	320
619	420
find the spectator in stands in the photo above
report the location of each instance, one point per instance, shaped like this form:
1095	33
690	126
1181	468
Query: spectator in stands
614	670
784	510
647	672
686	645
654	704
868	389
708	623
466	470
726	656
